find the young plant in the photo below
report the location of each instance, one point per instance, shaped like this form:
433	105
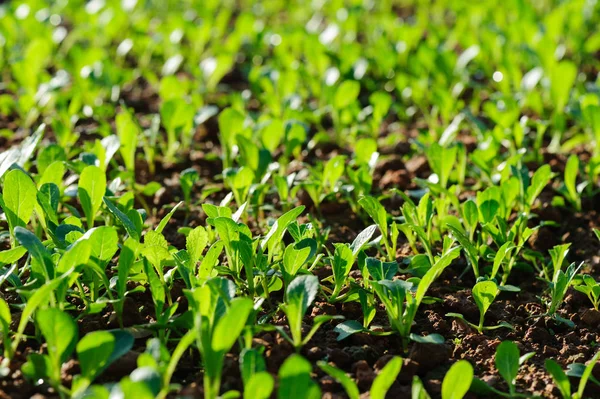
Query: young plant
570	189
591	288
484	294
562	380
91	189
508	360
381	384
299	295
558	289
60	333
188	178
219	320
400	304
389	236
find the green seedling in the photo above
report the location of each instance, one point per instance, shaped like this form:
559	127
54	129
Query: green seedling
484	294
591	288
381	384
400	304
562	380
299	295
219	320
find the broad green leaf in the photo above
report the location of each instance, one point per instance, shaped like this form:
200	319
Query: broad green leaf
104	241
12	255
36	249
484	294
91	189
278	228
294	257
343	259
60	333
385	378
346	94
156	248
470	213
19	198
458	380
259	386
507	361
230	326
538	182
93	351
196	241
295	381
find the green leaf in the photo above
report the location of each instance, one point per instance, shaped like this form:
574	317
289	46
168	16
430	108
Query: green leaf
562	79
470	213
379	270
187	180
251	362
60	332
295	256
458	380
195	242
333	171
435	339
12	255
418	390
347	328
560	378
484	294
91	189
300	293
343	259
19	197
230	326
346	94
36	249
587	374
386	378
259	386
48	197
376	211
128	132
93	351
163	223
340	376
434	272
507	361
538	182
129	226
278	228
295	381
362	239
156	248
104	241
